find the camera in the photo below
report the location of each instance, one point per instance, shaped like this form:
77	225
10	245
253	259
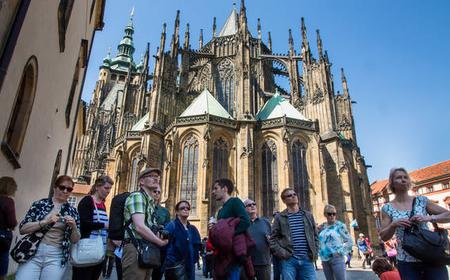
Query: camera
158	229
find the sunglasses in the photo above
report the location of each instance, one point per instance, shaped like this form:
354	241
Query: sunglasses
184	208
64	188
290	195
157	192
331	214
250	204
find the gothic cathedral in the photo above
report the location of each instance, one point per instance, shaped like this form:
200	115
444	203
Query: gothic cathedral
218	111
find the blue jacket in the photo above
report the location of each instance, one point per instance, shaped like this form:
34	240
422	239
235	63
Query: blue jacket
184	246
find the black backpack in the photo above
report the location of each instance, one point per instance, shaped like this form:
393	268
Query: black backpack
116	229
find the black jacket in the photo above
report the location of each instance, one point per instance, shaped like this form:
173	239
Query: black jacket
86	211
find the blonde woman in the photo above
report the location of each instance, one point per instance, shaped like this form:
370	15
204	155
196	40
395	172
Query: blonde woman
395	218
335	243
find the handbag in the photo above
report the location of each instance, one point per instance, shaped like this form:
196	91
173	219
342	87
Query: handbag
27	246
431	247
149	255
88	251
5	240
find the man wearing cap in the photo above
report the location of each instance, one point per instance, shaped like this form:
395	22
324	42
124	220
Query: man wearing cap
259	230
140	207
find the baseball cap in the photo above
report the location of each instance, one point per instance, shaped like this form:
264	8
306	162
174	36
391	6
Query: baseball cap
149	170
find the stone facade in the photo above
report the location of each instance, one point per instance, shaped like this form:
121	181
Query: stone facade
312	147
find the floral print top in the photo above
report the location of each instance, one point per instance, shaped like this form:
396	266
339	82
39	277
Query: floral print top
39	209
334	239
420	208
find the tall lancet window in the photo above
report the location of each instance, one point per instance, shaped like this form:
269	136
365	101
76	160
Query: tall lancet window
220	168
269	178
301	185
226	85
189	173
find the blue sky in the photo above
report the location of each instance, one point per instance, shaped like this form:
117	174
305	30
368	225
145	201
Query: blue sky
396	56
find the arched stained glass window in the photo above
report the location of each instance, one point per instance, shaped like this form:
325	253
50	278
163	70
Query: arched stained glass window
301	185
226	85
189	173
220	168
269	178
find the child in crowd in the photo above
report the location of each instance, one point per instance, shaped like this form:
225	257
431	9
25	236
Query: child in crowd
384	269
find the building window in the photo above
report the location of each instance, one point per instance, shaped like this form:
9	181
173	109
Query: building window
189	173
301	184
269	178
73	88
113	77
446	186
220	168
64	12
225	85
72	200
15	134
136	166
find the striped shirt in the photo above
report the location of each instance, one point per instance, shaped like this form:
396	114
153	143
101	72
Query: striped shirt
299	241
99	215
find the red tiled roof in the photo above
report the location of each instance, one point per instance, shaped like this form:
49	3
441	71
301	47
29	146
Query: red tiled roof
417	176
81	188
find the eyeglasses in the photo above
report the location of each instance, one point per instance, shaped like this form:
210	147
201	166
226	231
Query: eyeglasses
250	204
331	214
64	188
184	208
290	195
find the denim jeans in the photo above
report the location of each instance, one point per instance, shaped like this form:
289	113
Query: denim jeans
421	271
234	272
298	269
334	268
46	264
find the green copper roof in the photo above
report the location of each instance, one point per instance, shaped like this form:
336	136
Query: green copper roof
205	103
140	125
125	48
277	107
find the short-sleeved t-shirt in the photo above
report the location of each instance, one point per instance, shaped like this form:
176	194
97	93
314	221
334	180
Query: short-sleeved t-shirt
420	208
136	203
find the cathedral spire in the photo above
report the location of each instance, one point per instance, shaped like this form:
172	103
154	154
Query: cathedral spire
344	83
291	43
174	44
214	27
319	44
163	39
259	29
200	40
186	37
306	53
243	17
269	41
126	46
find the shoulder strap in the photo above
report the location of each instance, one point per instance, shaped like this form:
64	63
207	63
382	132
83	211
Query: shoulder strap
413	208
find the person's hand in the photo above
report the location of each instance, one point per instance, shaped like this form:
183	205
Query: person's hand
52	219
420	219
404	222
116	243
70	221
320	227
162	242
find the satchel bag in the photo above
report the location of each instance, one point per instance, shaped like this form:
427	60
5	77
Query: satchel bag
149	255
431	247
88	251
27	246
5	240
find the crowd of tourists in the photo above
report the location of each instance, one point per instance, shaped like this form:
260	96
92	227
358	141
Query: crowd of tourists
142	242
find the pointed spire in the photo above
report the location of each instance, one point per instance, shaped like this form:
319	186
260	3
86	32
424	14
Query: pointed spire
344	83
177	23
186	37
319	44
214	27
304	39
291	43
306	53
259	29
126	46
269	41
243	16
107	59
243	9
200	40
162	42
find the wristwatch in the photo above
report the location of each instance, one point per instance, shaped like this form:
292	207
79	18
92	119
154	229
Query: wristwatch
433	219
